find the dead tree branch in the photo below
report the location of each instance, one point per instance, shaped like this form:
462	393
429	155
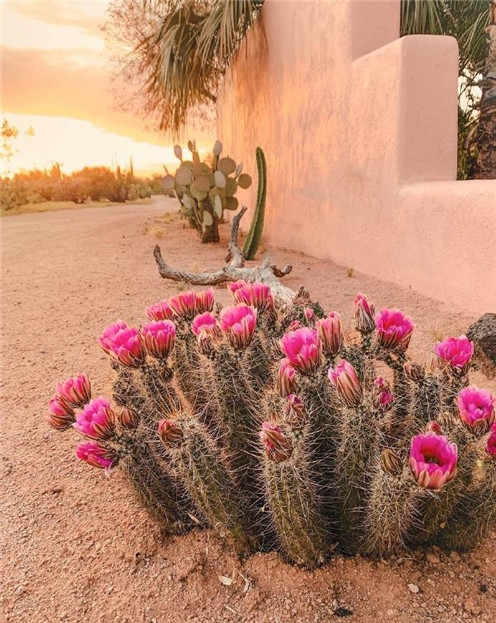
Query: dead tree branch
234	269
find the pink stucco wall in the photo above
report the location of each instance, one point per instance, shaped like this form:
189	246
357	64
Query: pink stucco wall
359	130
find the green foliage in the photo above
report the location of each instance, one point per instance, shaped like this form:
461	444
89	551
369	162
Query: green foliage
205	189
254	236
467	21
94	183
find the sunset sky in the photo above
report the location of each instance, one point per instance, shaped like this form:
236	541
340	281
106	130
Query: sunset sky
56	78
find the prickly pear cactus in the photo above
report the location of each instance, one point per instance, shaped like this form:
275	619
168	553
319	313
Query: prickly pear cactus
205	189
260	421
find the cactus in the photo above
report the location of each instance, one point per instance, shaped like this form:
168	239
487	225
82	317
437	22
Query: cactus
206	189
277	431
254	236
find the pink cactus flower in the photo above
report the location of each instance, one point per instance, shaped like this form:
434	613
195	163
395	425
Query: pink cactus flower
256	295
205	301
456	353
96	420
364	314
286	381
159	337
277	446
491	443
394	329
235	285
124	344
302	348
170	433
75	391
330	333
476	409
205	322
184	304
295	414
238	323
382	398
433	460
347	384
97	456
159	311
61	415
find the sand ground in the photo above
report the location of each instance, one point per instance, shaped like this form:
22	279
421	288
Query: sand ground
76	547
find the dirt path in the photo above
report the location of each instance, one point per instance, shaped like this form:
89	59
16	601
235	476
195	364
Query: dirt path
75	546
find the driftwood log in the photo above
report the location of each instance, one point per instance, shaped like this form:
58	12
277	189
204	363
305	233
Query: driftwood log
234	270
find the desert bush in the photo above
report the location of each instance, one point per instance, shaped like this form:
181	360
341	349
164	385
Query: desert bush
263	422
205	189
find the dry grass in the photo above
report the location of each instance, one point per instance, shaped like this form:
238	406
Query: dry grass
54	206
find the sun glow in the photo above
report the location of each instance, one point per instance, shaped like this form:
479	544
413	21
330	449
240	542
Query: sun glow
75	144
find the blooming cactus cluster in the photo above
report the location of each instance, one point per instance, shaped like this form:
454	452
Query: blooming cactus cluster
262	421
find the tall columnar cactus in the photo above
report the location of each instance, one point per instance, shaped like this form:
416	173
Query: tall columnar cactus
254	236
277	432
205	189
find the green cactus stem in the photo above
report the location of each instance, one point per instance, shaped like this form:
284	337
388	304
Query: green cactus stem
295	508
210	485
475	511
392	511
360	440
160	492
254	236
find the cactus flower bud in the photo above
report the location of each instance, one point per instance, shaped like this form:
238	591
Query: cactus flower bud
128	418
96	420
309	316
184	304
277	446
170	433
205	322
256	295
124	344
456	353
295	414
476	409
391	462
381	395
433	427
345	380
330	333
433	460
414	371
204	301
97	456
394	329
61	415
302	348
491	443
159	311
364	314
238	323
286	383
159	337
75	391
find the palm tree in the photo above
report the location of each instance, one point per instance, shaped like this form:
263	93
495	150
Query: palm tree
178	51
468	22
486	135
